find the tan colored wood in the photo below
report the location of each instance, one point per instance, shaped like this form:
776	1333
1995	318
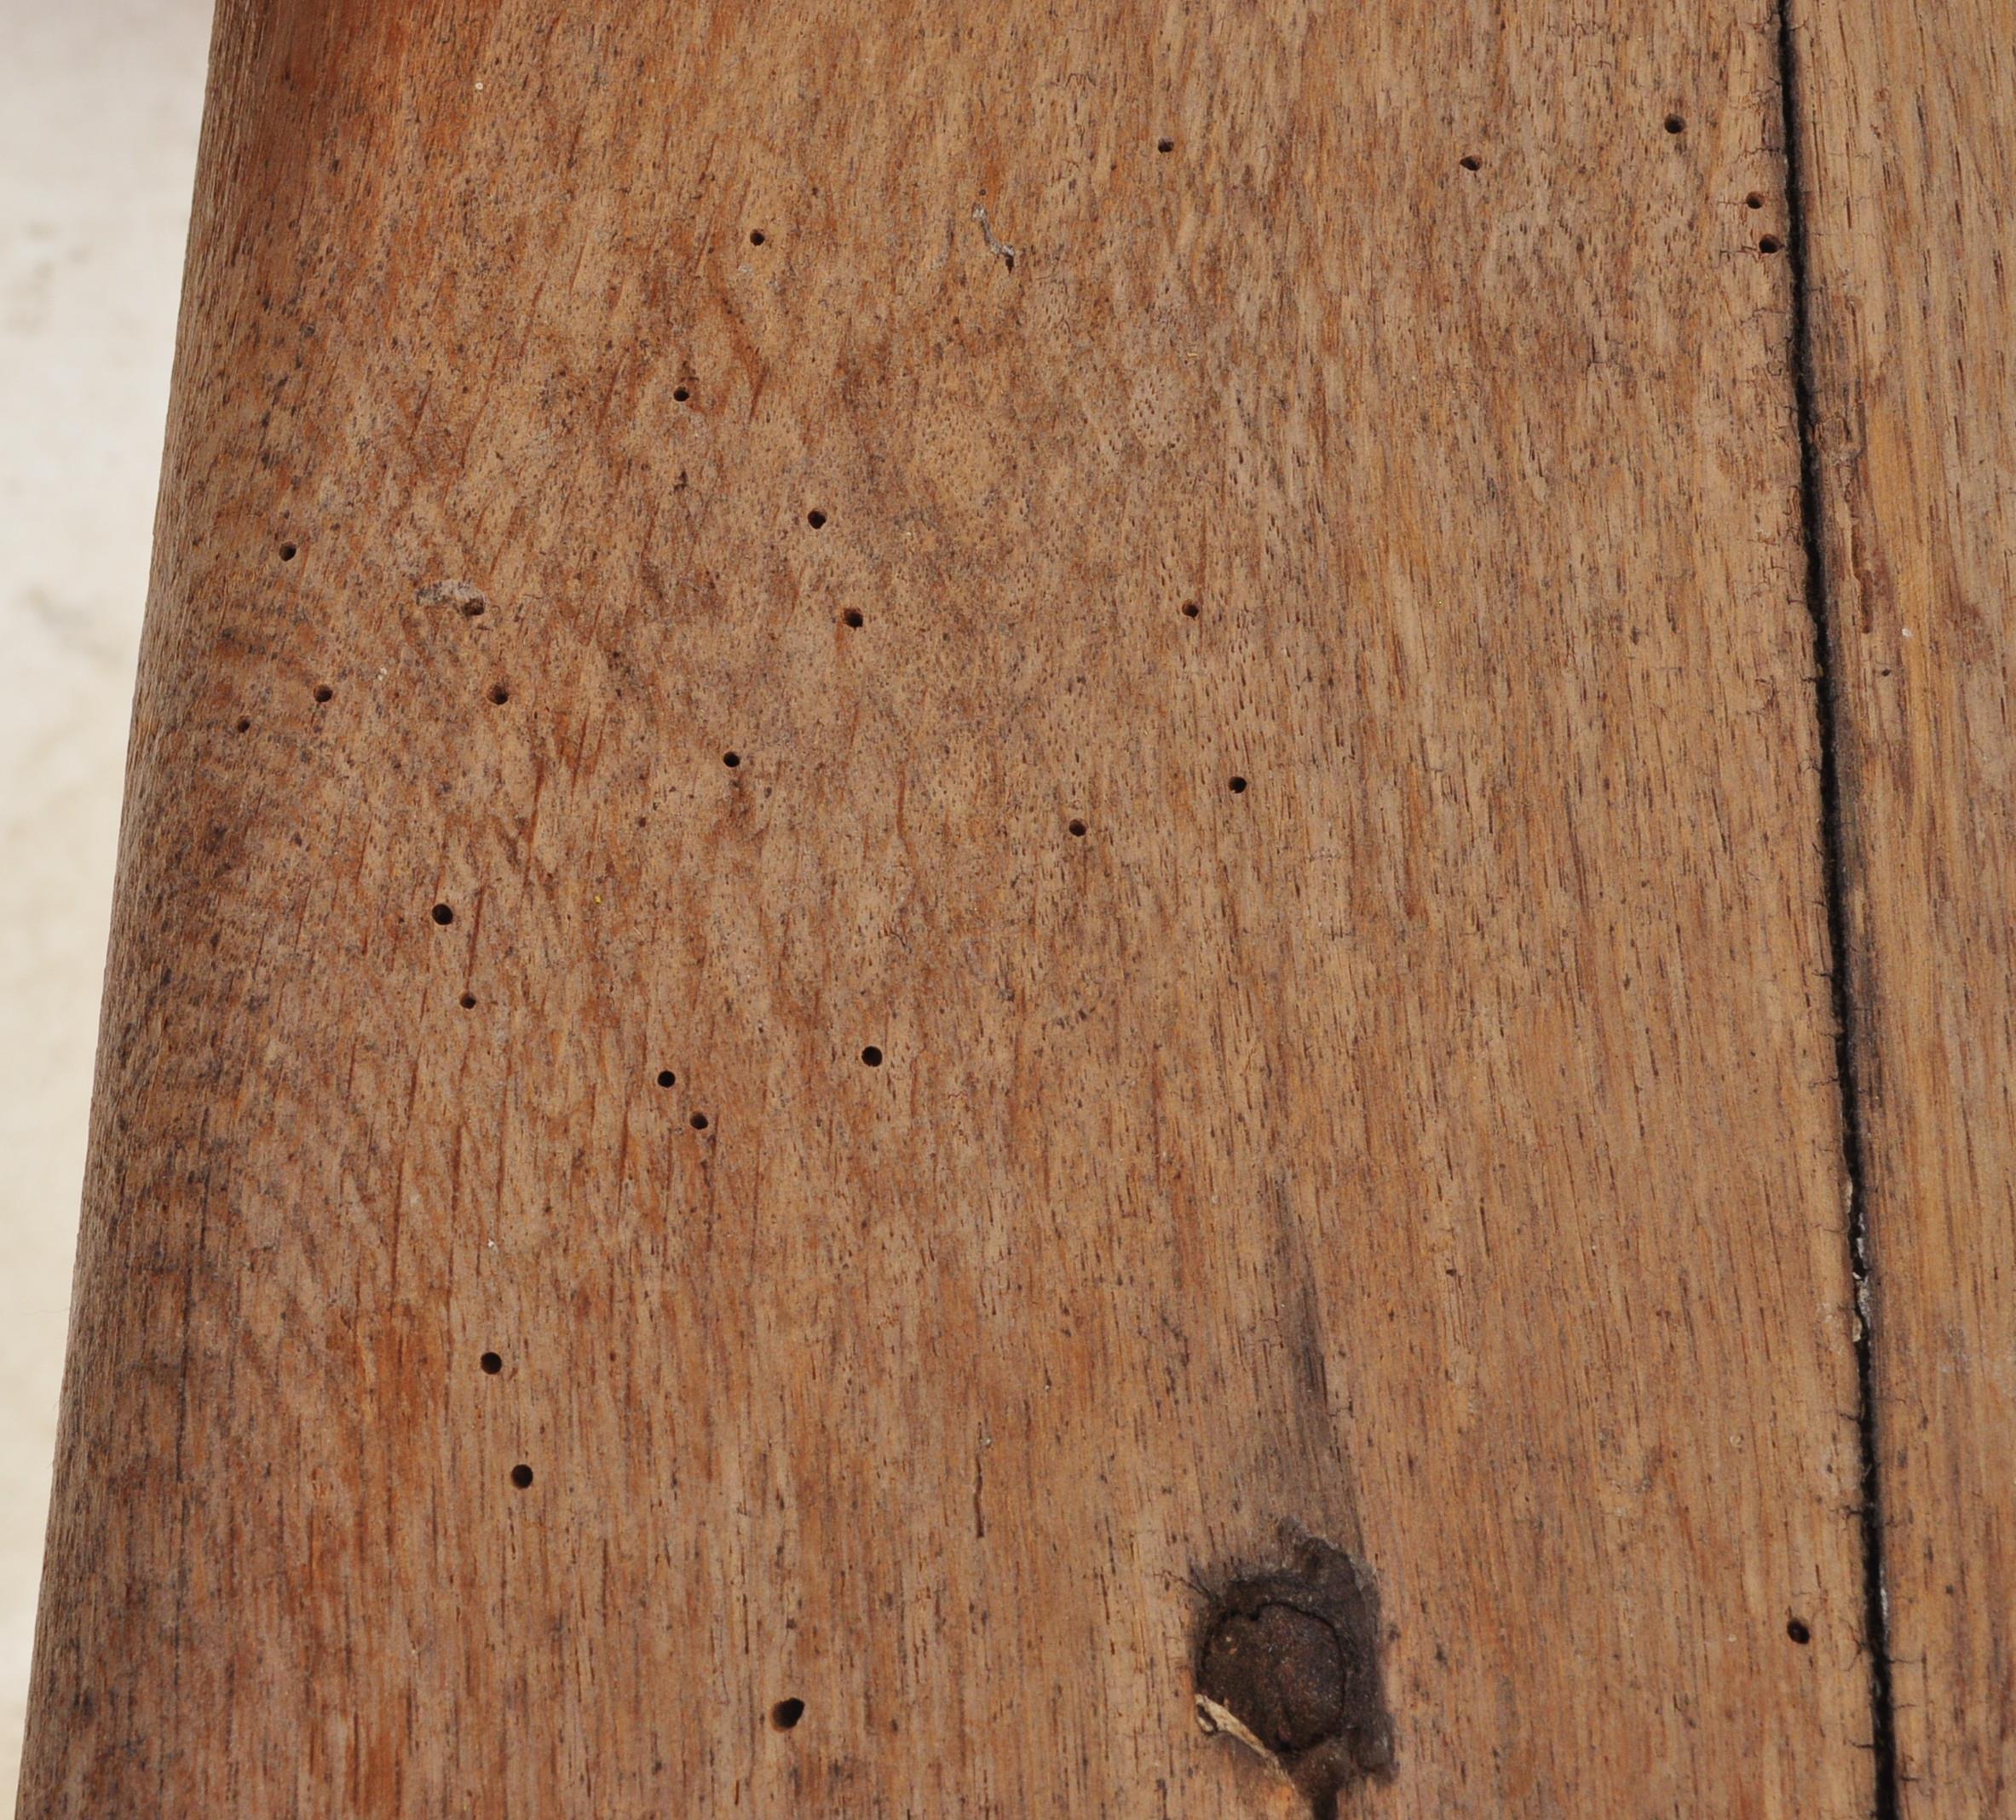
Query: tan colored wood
1433	1147
1909	118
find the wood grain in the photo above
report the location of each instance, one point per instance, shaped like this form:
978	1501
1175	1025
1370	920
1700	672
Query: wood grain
1432	1147
1910	143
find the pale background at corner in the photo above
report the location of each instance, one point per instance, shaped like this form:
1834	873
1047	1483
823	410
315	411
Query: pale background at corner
99	104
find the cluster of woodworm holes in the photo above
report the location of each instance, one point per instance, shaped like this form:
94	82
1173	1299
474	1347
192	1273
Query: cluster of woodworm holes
1676	125
787	1712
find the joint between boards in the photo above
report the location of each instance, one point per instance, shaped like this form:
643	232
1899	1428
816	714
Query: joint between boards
1834	851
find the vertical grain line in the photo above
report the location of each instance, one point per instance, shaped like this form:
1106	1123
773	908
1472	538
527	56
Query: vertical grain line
1826	709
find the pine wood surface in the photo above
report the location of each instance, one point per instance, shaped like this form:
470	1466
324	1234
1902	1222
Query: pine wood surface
1433	1147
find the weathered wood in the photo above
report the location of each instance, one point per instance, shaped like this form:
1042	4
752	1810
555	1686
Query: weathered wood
1909	135
1355	1059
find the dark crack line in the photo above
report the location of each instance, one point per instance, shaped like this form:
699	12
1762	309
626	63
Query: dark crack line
1827	711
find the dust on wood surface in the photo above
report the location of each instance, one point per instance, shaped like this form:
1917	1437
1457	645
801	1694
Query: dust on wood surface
1910	147
845	964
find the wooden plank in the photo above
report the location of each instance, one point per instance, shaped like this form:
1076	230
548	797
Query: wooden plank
1431	1150
1909	126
